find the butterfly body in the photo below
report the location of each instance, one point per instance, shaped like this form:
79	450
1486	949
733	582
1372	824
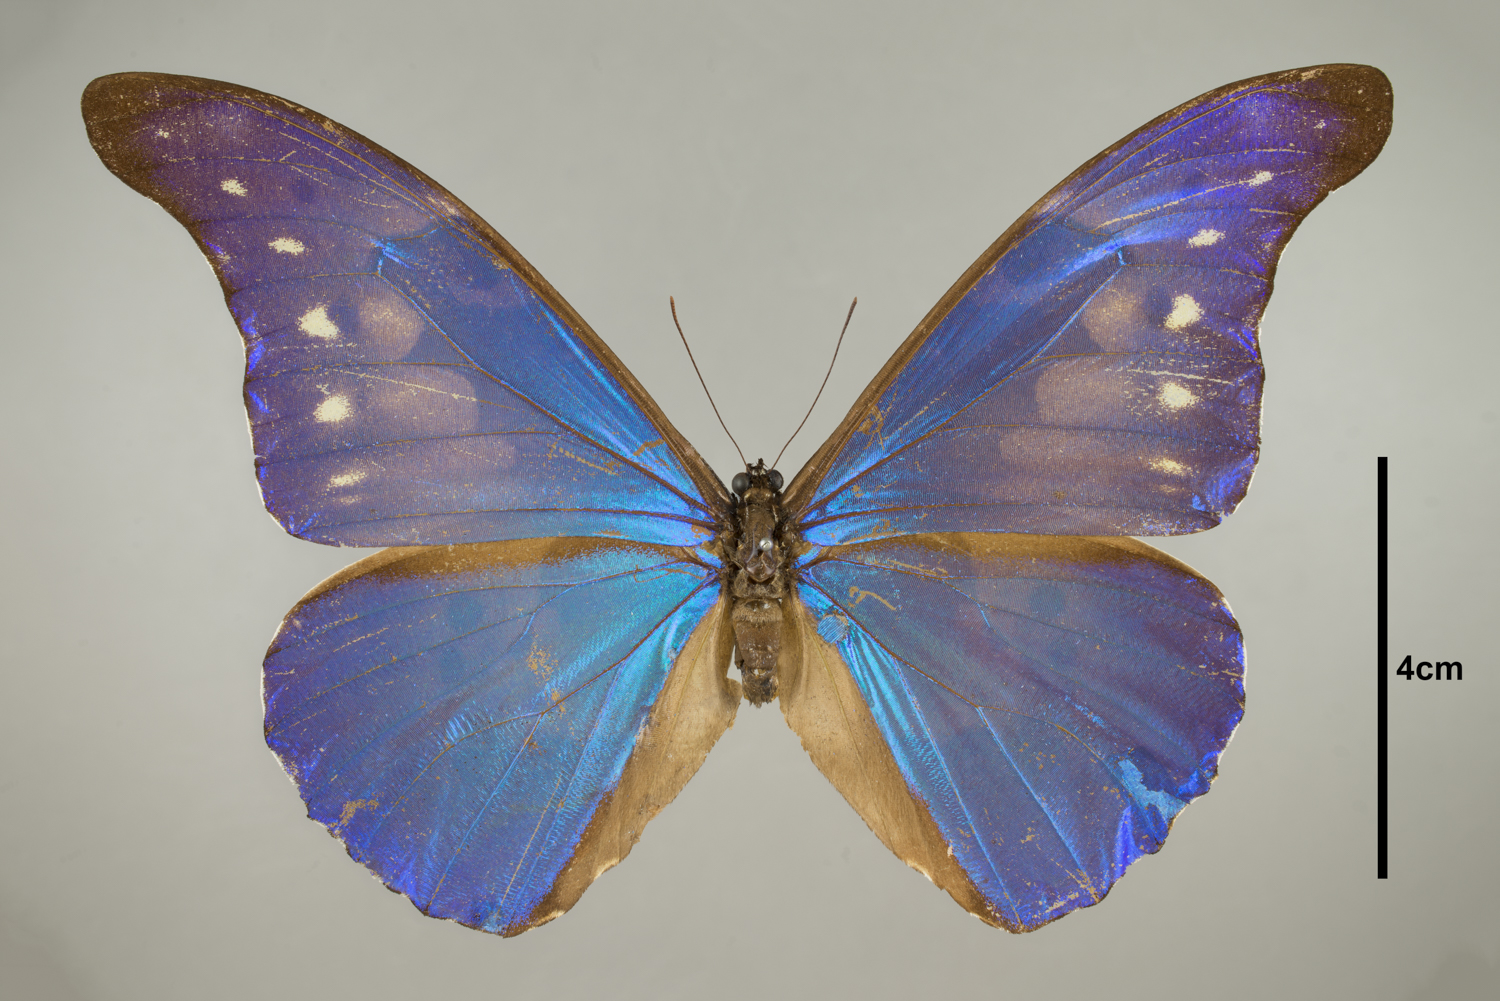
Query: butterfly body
1016	696
759	578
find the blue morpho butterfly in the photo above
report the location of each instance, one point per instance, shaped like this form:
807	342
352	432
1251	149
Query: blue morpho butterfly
488	714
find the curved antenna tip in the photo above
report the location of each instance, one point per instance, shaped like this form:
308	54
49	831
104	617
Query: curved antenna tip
672	301
849	316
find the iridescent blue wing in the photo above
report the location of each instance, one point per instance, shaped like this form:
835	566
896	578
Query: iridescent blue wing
489	727
1019	717
410	379
1097	370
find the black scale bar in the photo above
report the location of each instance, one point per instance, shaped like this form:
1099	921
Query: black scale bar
1381	649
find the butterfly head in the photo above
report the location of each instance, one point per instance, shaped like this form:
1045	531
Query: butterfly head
755	477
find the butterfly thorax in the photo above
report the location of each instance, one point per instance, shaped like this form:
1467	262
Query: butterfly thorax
756	578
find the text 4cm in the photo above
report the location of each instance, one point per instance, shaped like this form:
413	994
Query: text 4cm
1427	670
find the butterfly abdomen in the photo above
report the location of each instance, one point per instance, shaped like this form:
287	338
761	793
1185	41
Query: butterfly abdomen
757	642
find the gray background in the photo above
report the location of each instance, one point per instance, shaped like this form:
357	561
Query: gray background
764	163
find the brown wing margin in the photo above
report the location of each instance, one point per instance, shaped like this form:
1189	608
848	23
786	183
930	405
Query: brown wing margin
1343	82
111	99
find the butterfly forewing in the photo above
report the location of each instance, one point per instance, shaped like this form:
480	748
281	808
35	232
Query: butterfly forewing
409	378
1097	370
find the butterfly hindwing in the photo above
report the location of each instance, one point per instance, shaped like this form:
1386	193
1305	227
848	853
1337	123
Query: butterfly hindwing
1097	370
410	379
1046	705
488	727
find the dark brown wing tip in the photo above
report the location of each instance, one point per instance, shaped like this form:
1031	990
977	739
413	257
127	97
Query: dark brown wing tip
112	105
119	96
108	104
1366	91
1354	84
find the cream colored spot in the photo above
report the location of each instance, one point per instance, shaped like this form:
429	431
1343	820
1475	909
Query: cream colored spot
163	134
1174	396
286	245
352	807
1321	125
234	187
1185	310
347	479
1205	238
315	323
1261	177
333	409
1165	465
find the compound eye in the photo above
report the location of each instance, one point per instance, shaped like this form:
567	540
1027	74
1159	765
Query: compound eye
775	479
740	483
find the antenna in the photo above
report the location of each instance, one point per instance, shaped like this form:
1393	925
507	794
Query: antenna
835	358
673	303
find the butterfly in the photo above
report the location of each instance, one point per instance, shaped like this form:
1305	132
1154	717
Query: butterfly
946	601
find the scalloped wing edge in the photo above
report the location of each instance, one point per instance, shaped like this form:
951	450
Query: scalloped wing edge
697	703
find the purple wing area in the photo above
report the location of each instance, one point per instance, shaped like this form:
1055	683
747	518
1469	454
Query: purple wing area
410	379
1052	702
459	716
1097	371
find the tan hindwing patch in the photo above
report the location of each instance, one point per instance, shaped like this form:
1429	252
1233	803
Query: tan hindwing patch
695	707
823	706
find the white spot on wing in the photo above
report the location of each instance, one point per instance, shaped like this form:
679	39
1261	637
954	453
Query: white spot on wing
1165	465
163	134
1173	396
1185	310
333	409
233	186
316	323
1205	238
1261	177
286	245
346	479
